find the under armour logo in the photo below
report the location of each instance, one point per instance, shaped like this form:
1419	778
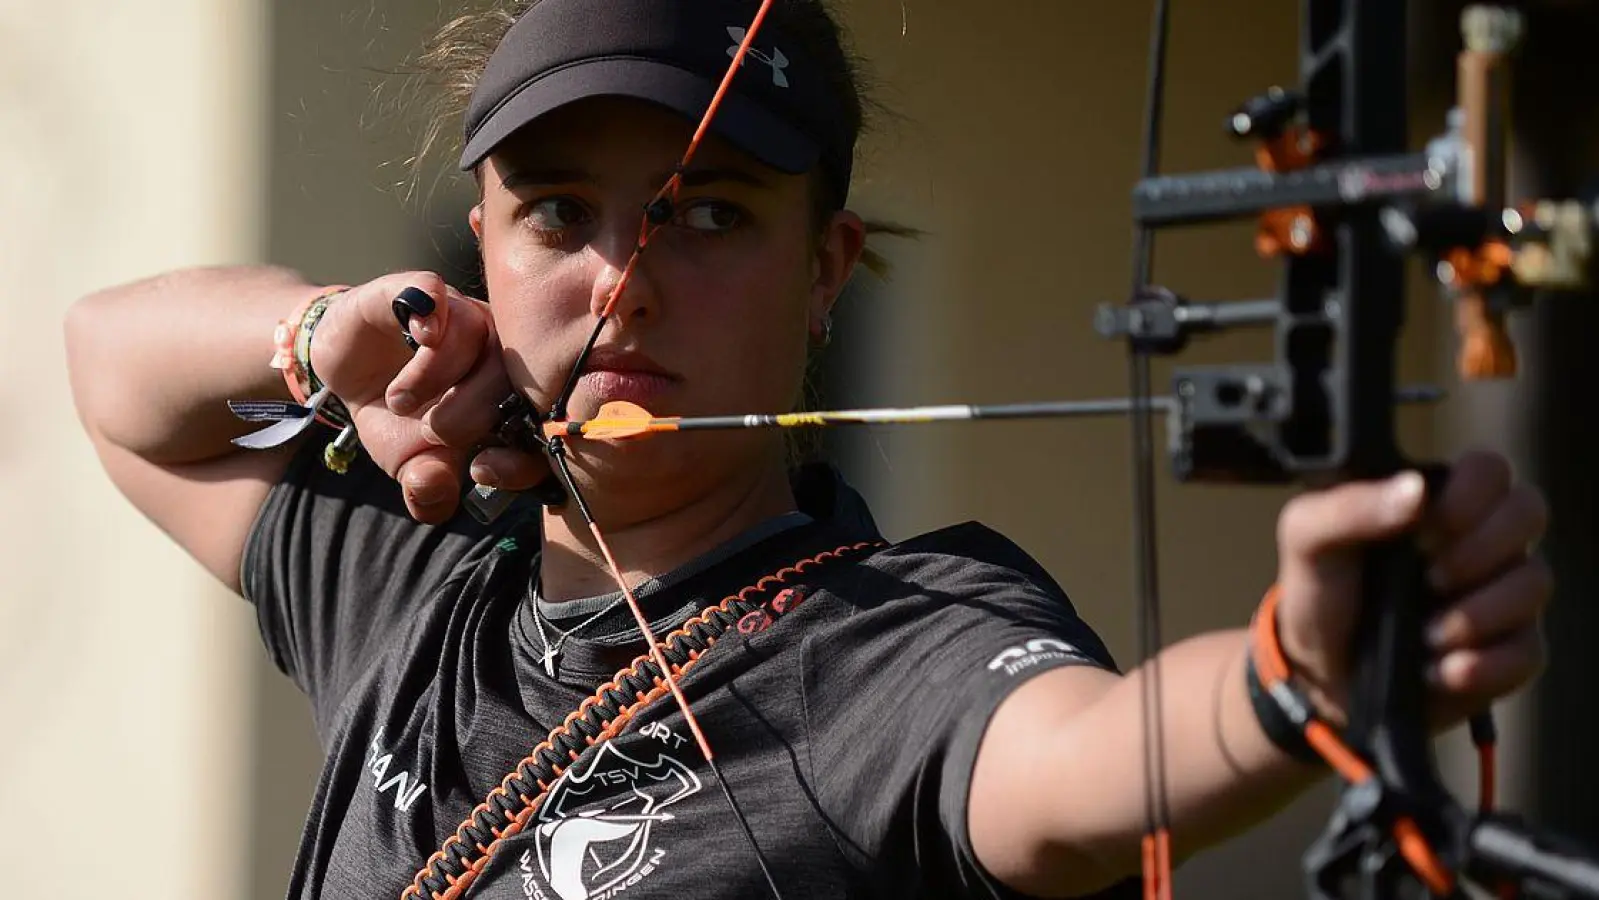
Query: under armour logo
777	60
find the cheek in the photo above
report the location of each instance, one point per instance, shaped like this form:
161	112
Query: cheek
534	298
752	331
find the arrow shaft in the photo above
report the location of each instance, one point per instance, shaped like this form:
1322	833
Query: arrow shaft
614	426
888	416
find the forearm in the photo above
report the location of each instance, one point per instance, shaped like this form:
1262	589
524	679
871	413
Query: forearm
1222	774
153	363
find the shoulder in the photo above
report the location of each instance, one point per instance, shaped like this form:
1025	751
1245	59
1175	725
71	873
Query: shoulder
968	555
967	567
966	594
921	643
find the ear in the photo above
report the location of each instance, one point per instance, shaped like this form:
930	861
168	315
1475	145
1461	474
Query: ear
837	253
475	219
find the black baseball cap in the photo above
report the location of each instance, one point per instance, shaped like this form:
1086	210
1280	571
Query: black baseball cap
780	108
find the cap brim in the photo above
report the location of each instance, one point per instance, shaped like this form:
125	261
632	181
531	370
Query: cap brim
742	122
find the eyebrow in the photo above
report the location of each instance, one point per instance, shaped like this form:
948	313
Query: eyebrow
699	176
544	177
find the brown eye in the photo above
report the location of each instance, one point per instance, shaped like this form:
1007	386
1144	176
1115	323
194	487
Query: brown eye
556	214
711	217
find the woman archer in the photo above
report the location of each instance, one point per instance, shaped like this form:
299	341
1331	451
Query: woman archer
923	718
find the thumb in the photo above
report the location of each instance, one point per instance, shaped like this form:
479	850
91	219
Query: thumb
1359	512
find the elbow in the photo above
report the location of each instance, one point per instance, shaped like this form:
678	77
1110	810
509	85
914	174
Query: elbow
102	332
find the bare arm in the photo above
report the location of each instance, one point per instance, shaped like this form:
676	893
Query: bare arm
1057	798
152	365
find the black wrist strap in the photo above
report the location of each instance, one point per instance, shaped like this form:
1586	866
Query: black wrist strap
1282	717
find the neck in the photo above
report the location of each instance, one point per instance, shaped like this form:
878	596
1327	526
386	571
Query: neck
573	566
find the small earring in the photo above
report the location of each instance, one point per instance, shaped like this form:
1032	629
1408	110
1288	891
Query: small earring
826	336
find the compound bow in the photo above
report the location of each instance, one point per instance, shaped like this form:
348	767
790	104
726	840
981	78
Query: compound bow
1342	200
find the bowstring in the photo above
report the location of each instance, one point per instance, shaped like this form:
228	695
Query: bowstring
1157	814
657	213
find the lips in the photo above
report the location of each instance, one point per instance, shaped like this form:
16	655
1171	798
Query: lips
613	374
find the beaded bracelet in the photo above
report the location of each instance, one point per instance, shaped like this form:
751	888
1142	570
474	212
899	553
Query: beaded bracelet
291	341
292	355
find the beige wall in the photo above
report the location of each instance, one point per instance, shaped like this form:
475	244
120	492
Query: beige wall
130	146
1014	147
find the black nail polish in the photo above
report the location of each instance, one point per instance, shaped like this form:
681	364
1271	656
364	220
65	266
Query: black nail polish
411	302
420	302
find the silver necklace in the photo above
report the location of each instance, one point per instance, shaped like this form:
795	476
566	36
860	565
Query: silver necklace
552	651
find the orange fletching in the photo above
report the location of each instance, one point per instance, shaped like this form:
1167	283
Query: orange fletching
620	420
621	409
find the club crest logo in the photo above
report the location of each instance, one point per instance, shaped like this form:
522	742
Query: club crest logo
596	834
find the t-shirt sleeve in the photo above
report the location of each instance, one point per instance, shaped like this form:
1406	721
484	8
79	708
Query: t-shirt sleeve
898	701
335	565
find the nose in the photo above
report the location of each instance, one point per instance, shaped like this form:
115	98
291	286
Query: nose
624	283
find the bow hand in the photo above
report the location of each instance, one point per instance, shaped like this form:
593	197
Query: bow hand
1482	636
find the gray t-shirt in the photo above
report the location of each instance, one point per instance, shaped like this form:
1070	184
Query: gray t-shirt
846	727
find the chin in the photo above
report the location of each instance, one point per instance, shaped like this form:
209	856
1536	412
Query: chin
676	463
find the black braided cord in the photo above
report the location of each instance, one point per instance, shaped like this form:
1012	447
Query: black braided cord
507	809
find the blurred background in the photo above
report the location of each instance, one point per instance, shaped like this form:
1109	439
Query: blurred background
149	750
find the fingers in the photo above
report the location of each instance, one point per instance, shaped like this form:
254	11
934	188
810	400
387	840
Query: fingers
413	302
1315	524
1482	674
1489	643
420	405
444	361
390	440
1496	541
467	413
358	346
418	290
1512	602
510	469
430	480
469	409
1478	482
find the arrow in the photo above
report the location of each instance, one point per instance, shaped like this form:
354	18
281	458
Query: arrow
620	420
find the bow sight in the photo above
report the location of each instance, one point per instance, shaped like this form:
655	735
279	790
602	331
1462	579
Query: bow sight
1342	201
